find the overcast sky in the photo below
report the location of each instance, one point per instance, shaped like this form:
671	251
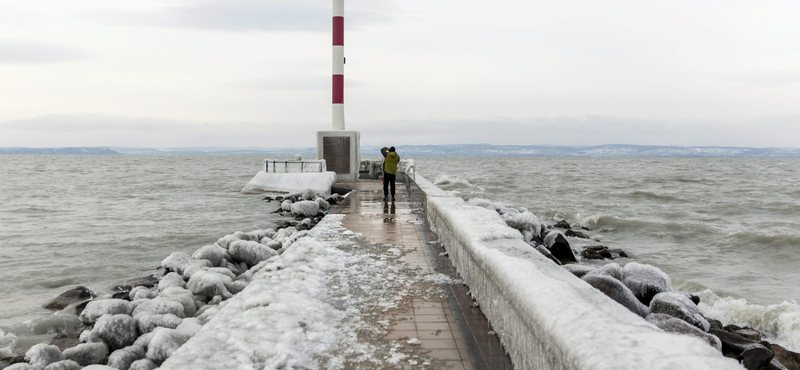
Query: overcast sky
256	73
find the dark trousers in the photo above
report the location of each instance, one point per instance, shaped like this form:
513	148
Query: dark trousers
388	178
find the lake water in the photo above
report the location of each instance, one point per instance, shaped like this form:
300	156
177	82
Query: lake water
729	228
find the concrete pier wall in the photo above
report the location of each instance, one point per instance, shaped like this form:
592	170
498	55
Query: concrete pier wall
546	317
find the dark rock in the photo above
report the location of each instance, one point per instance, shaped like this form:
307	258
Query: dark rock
789	359
279	197
74	295
590	254
695	299
545	252
586	228
558	245
645	281
715	324
146	281
618	253
576	234
292	198
732	328
776	365
616	291
579	270
756	358
674	325
678	305
597	252
733	343
563	224
282	224
122	294
749	334
302	227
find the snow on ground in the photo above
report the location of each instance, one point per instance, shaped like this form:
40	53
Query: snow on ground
325	303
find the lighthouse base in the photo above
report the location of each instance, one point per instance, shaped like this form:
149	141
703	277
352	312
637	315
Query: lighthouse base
341	152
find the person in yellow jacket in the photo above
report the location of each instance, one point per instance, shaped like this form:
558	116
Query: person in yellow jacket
390	161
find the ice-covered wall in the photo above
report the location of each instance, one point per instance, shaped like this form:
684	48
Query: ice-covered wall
545	316
320	182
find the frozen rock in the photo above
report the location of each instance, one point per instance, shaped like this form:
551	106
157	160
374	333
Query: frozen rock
143	364
308	194
141	292
523	221
182	296
159	305
144	339
286	205
616	291
7	343
679	305
558	245
323	204
117	331
74	295
99	367
87	336
563	224
645	281
170	280
164	343
546	252
146	281
236	286
207	313
611	269
226	240
212	253
87	353
190	326
578	270
674	325
95	309
42	355
576	234
306	208
63	365
211	284
202	265
224	271
20	366
596	252
177	262
123	358
250	252
147	322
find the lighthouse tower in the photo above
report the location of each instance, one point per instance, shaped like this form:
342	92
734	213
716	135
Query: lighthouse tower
339	148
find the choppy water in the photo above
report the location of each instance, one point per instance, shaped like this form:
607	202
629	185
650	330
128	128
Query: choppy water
729	225
98	220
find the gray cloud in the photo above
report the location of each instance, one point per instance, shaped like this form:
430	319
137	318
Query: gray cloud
252	15
27	52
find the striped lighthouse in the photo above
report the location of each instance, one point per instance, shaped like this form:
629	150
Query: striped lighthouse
338	64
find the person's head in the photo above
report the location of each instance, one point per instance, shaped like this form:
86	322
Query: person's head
391	149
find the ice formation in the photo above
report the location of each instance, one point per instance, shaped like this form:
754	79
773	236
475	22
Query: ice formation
147	322
95	309
143	364
42	354
645	281
122	359
21	366
159	305
612	269
7	344
172	279
87	353
63	365
213	253
141	292
306	208
617	291
226	240
210	284
679	305
675	325
164	343
182	296
118	331
250	252
320	182
578	270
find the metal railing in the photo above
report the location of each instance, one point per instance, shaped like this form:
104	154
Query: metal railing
305	166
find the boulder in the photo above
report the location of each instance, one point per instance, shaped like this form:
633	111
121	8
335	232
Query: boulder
211	284
64	341
674	325
182	296
117	331
678	305
172	279
141	292
95	309
323	204
226	240
578	270
645	281
146	281
617	291
749	334
42	354
159	306
213	253
177	262
789	359
144	339
756	358
307	208
612	269
563	224
63	365
249	252
286	205
576	234
596	252
732	343
236	286
164	343
87	336
87	353
143	364
617	253
99	367
557	244
74	295
146	323
20	366
190	326
122	359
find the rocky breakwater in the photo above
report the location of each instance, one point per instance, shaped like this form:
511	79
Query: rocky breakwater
643	289
143	321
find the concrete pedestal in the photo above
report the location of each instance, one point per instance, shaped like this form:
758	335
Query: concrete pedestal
341	151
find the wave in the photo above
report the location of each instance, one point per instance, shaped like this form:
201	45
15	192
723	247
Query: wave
608	223
654	196
447	182
773	240
781	322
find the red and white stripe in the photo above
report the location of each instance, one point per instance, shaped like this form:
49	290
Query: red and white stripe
338	64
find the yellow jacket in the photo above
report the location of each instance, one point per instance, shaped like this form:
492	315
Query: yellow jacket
390	162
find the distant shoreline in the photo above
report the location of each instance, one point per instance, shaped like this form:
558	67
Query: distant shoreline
457	150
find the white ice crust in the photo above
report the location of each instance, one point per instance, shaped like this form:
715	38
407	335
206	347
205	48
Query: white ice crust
545	316
320	182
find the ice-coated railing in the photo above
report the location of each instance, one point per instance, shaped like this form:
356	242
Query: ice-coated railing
294	166
546	317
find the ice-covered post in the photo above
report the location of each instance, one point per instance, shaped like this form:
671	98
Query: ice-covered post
338	64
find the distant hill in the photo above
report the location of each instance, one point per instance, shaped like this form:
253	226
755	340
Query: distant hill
59	151
458	150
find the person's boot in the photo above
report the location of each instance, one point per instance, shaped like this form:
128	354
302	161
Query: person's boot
392	198
385	198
